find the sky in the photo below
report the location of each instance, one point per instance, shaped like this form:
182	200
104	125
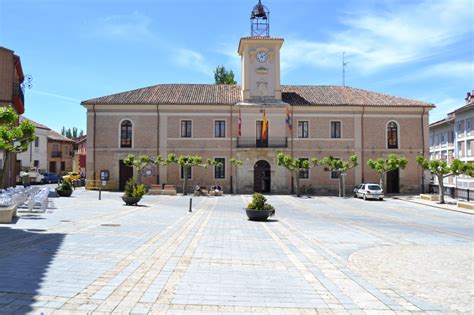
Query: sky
81	49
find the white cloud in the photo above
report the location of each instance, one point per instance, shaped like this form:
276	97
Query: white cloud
445	106
193	60
129	27
393	36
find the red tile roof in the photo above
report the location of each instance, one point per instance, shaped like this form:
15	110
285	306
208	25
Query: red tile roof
56	136
212	94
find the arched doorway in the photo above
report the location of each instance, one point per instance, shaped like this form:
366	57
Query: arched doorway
262	177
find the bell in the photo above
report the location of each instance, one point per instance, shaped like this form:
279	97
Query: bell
259	11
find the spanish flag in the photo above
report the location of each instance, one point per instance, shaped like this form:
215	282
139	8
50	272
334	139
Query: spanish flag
264	126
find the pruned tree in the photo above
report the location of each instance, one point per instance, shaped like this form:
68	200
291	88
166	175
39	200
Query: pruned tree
384	165
138	164
222	76
339	166
186	162
441	170
72	133
13	138
237	163
295	166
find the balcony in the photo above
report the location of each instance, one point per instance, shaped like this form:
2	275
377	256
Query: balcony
56	154
18	98
271	142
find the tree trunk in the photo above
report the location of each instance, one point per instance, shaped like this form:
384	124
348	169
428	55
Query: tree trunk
297	184
4	169
441	188
340	185
185	182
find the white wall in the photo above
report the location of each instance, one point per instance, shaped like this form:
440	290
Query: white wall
39	153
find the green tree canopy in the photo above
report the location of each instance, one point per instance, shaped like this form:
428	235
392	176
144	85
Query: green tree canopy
72	133
187	162
138	164
222	76
441	170
295	166
13	138
339	166
391	163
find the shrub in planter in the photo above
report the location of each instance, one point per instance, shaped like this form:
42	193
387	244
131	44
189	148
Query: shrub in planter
65	188
133	192
258	209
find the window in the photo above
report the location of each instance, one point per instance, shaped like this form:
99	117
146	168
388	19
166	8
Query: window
189	171
392	135
459	149
186	126
304	173
36	163
219	171
126	134
219	129
37	142
303	129
442	138
63	166
335	129
468	147
451	137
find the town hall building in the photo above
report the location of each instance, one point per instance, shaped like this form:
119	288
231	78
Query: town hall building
223	122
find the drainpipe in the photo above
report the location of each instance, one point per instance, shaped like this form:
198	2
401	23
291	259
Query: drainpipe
94	139
157	142
362	144
423	149
291	137
231	168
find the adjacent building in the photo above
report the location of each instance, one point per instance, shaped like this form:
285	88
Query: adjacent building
80	153
37	154
11	94
453	138
222	122
60	153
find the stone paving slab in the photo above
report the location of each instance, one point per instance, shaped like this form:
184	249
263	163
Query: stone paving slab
318	255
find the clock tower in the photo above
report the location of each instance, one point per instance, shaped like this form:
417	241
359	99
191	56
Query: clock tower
260	60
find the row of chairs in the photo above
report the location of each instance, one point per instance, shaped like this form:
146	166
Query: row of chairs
30	197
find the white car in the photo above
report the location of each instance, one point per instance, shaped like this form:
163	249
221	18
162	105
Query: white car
369	191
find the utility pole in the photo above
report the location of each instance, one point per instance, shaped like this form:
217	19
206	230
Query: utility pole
344	65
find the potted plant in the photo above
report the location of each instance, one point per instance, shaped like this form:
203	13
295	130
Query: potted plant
258	209
65	188
133	192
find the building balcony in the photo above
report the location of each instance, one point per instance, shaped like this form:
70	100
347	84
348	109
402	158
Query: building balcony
271	142
18	98
56	154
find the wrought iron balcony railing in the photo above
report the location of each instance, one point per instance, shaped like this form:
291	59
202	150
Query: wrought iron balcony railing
18	91
271	142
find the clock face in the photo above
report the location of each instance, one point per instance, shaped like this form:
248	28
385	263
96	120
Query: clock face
262	56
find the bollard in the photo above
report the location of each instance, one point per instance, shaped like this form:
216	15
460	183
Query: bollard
190	204
100	192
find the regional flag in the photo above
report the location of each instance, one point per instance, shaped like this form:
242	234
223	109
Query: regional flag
289	119
264	126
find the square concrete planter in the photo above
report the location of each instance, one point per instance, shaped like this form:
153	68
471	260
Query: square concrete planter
429	197
7	214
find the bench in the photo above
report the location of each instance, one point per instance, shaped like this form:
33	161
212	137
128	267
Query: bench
466	205
7	214
429	197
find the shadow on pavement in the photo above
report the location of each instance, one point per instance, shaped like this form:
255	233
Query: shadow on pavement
25	257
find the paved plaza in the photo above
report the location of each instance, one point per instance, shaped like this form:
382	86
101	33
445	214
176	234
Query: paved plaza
318	255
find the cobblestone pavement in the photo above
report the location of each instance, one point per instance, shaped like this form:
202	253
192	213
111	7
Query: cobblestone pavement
319	255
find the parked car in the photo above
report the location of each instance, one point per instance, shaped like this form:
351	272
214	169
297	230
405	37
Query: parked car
369	191
72	176
50	178
29	177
